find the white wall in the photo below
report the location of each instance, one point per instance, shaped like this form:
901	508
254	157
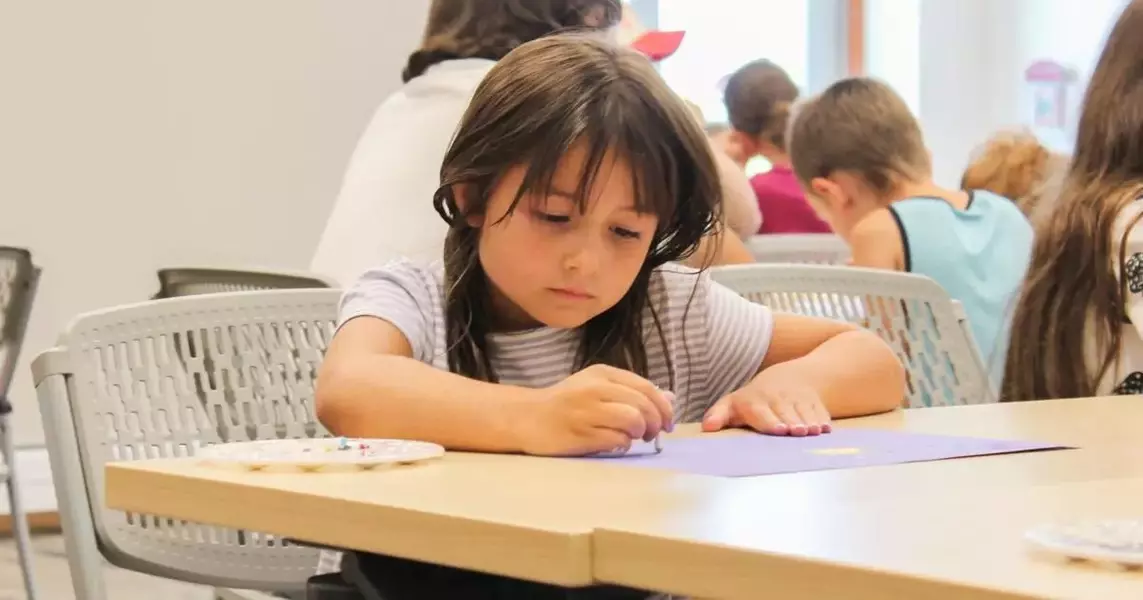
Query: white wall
960	63
136	134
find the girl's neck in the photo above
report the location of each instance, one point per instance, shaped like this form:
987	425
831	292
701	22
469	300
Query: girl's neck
507	316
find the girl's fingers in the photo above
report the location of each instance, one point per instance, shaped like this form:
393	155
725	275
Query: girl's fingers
662	401
823	417
761	418
651	417
602	439
619	417
787	412
810	416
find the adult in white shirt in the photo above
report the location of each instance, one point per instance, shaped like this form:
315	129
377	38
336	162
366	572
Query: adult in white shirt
385	209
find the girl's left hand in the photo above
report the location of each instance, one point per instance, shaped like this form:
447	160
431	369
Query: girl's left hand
771	403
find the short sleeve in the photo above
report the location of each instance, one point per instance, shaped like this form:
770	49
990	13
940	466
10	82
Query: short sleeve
401	293
738	334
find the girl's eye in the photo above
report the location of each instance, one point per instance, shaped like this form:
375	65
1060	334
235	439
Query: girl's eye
553	218
626	233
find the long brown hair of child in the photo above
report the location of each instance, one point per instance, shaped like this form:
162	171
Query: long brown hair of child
535	104
1072	301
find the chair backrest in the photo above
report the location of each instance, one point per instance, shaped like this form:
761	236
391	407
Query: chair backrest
192	281
165	378
18	279
912	313
799	248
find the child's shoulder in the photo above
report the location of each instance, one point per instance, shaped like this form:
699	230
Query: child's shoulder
417	278
673	277
675	288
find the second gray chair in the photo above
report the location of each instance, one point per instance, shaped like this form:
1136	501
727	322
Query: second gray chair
18	279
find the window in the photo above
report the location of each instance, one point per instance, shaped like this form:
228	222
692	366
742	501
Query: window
805	37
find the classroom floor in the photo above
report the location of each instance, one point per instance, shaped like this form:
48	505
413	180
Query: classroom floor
54	582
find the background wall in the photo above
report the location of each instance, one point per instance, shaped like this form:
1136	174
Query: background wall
137	134
960	63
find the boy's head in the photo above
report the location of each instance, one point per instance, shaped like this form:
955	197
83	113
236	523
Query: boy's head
490	29
758	100
853	147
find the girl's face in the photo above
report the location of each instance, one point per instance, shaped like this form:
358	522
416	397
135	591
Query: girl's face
549	263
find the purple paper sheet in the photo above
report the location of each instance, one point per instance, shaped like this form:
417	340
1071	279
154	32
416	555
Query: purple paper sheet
748	455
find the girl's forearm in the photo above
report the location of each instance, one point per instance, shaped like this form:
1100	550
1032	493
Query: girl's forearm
383	396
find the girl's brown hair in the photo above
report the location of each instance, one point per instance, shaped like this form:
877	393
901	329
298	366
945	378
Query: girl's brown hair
537	103
1013	164
861	126
758	99
1072	302
491	29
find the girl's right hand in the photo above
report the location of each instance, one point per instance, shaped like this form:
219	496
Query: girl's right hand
598	409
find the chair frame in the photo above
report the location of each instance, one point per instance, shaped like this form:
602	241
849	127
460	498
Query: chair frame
240	279
17	314
77	472
798	248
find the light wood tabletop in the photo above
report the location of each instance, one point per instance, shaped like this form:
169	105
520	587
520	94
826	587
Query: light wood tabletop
800	542
569	522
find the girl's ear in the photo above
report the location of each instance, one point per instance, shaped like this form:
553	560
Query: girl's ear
462	194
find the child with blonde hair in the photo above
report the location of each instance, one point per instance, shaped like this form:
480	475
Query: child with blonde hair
1014	164
1078	326
860	154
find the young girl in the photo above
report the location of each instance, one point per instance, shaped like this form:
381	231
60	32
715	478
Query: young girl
556	325
1014	164
758	100
859	152
1078	322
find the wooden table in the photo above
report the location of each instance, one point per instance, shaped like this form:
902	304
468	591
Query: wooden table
941	529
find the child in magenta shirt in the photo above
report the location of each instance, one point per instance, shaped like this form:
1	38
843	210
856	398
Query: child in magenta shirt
758	99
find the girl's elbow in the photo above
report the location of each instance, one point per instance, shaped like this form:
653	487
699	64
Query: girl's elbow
893	372
886	369
332	400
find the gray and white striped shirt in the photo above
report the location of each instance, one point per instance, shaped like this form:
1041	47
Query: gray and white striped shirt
715	339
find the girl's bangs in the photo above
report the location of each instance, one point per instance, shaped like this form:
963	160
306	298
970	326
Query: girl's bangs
654	179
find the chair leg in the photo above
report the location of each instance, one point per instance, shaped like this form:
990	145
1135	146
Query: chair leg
16	505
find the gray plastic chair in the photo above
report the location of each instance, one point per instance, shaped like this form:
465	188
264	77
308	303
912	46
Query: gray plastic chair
799	248
192	281
162	379
18	279
912	313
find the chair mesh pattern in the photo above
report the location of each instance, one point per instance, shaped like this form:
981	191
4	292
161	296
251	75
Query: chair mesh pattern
165	378
913	314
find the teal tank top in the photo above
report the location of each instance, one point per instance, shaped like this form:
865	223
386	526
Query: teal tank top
979	255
